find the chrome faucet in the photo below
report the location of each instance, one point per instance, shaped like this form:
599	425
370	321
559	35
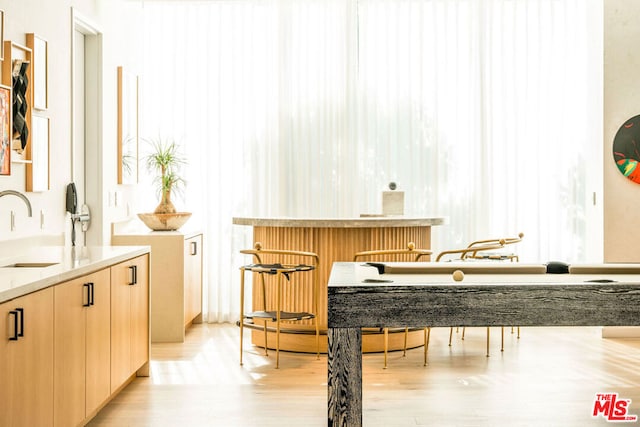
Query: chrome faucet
18	194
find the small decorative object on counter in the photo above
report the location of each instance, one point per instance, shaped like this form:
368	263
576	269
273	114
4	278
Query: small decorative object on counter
393	201
165	160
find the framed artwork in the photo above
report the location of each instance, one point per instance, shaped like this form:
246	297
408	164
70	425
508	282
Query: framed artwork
127	127
16	73
21	99
5	130
38	169
40	59
626	149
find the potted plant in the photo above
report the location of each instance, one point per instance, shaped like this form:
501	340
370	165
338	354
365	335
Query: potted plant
165	161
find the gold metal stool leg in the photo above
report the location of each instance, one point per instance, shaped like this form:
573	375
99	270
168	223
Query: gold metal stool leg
487	341
450	335
406	334
278	294
317	338
241	311
386	346
502	339
315	311
264	307
266	352
427	336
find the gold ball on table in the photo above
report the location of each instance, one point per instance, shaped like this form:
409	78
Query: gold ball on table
458	275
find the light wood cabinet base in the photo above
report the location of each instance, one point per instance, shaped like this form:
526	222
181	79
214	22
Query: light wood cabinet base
176	279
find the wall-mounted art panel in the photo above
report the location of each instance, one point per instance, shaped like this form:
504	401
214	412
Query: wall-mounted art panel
17	73
626	149
127	127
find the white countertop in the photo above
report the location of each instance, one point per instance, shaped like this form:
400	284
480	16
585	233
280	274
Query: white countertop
70	262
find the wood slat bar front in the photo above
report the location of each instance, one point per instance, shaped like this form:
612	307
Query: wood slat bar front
333	240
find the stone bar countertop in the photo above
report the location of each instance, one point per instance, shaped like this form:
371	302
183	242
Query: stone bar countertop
39	267
365	221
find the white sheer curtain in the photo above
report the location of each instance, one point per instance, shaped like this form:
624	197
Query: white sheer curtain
483	111
487	112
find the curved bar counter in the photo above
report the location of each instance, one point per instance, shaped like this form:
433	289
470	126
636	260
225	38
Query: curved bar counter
335	240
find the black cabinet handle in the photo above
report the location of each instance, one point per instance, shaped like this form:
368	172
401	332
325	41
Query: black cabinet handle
134	274
91	293
21	314
14	313
194	248
87	286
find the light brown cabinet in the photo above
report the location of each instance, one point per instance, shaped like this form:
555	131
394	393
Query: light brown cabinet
82	337
129	320
26	360
67	349
176	280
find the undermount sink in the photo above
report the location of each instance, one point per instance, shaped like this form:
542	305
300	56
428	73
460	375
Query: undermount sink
29	265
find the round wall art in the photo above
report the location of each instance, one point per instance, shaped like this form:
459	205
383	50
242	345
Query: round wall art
626	149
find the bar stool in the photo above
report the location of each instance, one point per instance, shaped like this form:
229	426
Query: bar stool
272	307
493	255
488	250
410	253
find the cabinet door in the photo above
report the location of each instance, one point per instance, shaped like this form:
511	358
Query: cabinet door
129	318
69	361
98	340
26	364
192	278
82	347
140	314
121	276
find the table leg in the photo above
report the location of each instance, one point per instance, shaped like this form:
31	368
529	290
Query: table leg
345	377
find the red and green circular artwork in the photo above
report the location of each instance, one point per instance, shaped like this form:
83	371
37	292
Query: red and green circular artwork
626	149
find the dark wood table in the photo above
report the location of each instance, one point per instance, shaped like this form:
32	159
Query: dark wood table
504	294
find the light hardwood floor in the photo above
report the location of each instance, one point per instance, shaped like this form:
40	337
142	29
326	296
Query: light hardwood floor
548	377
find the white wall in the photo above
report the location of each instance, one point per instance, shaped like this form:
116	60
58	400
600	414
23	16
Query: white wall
51	19
621	102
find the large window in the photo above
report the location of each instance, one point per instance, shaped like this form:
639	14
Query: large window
487	112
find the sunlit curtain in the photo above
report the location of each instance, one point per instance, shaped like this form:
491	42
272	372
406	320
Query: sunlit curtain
482	111
487	112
